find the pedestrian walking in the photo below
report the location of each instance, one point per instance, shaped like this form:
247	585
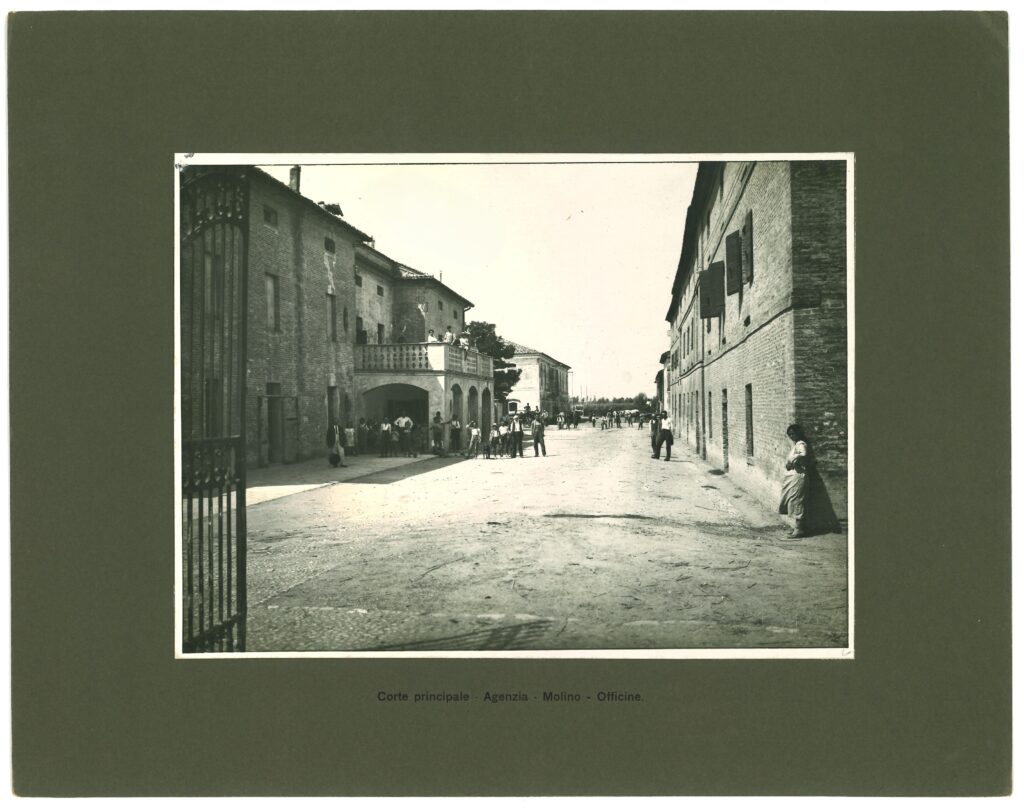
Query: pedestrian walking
664	437
336	455
537	429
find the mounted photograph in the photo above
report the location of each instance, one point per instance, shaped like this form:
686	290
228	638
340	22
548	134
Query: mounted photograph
662	344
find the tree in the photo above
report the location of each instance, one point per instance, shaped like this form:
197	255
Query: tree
485	340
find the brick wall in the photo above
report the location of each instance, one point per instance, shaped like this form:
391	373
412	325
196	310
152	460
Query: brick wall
820	317
301	356
784	333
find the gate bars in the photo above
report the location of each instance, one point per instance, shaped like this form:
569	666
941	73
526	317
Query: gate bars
213	306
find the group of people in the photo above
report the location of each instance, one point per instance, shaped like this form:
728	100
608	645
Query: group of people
450	337
567	420
505	438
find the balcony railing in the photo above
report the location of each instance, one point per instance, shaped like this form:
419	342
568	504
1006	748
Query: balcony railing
422	356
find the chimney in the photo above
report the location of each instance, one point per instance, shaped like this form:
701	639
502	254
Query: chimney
293	179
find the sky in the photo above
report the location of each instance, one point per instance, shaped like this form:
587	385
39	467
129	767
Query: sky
575	260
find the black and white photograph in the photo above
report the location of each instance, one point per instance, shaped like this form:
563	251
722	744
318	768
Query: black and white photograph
661	343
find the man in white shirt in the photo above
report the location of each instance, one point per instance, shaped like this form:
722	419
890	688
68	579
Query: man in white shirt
449	337
404	424
664	437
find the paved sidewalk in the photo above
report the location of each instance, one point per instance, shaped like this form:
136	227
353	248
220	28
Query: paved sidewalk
282	480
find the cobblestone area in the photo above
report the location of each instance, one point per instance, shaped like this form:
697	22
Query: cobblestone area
596	546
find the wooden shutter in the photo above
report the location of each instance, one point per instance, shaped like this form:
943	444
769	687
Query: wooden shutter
748	247
712	291
733	260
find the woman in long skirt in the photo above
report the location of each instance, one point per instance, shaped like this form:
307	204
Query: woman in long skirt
803	491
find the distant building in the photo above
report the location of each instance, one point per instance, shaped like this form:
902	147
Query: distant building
759	320
544	383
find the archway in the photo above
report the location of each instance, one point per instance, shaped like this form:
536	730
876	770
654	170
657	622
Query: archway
389	401
457	403
473	406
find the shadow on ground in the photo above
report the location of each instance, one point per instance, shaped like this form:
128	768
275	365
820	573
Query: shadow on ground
393	475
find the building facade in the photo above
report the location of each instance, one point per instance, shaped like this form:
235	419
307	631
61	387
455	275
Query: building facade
758	321
543	383
334	329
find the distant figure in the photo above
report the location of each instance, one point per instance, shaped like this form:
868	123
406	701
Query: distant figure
456	435
537	428
449	337
804	496
492	444
516	432
655	431
437	434
385	437
336	456
664	437
430	336
474	440
404	426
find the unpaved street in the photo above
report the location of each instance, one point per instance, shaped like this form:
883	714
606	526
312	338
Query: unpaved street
596	546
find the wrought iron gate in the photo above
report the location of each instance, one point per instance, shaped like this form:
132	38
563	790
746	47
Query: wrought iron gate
214	251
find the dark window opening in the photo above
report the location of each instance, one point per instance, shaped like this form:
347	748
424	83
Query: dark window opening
380	291
380	333
329	245
344	318
273	303
332	318
359	279
269	216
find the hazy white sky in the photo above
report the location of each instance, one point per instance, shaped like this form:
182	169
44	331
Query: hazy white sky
574	260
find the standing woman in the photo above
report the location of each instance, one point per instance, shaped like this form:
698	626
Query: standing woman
803	491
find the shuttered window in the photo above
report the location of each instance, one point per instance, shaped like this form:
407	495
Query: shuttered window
733	261
712	290
747	251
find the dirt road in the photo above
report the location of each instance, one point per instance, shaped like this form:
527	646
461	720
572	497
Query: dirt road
596	546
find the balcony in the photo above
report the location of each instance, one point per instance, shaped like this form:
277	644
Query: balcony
422	357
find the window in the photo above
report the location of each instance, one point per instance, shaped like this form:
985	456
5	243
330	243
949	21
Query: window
269	216
380	333
359	279
273	303
750	421
360	332
344	318
380	291
332	318
440	306
711	419
329	245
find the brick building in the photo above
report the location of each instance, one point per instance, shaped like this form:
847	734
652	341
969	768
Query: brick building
335	329
544	383
759	321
